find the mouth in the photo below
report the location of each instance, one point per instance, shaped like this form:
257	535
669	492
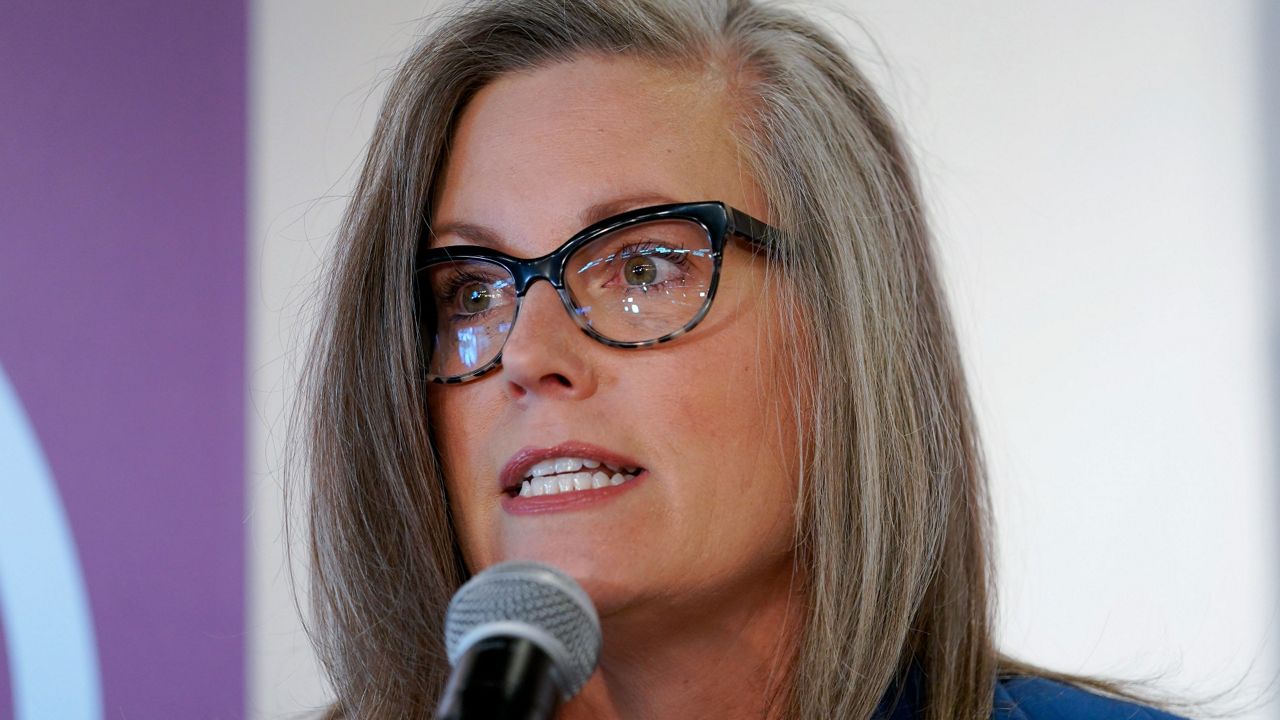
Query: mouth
566	468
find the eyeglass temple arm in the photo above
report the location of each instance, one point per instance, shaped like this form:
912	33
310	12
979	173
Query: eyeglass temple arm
757	231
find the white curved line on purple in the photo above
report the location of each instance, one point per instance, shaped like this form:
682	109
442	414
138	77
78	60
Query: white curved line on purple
48	630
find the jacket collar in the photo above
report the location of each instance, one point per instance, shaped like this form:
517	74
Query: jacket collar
905	699
905	696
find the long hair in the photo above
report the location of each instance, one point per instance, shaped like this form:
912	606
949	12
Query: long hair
892	511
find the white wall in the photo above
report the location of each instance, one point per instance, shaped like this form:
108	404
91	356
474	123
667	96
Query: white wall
1095	172
314	93
1097	178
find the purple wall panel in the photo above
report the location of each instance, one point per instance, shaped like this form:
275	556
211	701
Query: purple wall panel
6	705
122	253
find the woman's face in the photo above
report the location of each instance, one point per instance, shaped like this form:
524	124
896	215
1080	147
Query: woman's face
710	509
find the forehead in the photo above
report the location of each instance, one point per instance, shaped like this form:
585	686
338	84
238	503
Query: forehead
534	150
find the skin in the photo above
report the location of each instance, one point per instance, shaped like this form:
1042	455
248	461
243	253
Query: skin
691	570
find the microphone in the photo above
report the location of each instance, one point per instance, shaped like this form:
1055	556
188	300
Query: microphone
522	637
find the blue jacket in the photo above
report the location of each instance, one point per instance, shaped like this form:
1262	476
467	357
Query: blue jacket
1027	698
1030	698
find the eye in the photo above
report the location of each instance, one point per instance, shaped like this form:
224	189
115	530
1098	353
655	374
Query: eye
639	271
649	264
474	297
466	292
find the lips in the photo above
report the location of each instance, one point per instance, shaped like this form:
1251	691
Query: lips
522	463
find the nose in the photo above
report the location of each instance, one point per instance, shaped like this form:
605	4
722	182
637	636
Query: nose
547	354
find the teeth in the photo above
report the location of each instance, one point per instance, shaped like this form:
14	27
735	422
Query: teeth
546	467
563	465
554	483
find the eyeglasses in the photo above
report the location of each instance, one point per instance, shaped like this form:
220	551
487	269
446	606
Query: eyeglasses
636	279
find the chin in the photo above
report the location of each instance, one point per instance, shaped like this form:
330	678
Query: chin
609	580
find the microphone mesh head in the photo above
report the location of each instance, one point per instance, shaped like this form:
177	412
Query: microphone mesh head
529	600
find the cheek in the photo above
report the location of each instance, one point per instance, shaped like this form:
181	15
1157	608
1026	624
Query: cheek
455	433
444	424
697	405
740	453
459	417
756	420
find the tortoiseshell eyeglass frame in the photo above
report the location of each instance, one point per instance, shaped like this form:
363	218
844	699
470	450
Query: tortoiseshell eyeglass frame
718	219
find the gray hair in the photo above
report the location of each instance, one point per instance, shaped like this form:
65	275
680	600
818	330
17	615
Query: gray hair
892	514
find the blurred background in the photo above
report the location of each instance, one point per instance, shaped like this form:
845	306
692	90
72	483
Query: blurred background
1104	179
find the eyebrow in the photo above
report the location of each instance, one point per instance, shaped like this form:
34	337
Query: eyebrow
477	234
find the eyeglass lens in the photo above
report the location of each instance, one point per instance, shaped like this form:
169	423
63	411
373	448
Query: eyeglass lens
635	284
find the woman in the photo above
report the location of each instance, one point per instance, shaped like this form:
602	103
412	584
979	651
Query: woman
734	411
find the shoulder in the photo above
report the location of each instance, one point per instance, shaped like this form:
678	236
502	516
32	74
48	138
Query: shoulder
1034	698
